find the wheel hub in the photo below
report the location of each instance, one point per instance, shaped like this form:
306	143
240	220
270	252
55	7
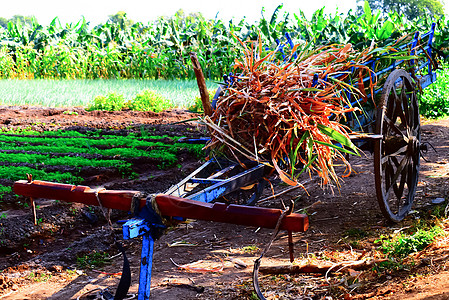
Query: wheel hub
413	145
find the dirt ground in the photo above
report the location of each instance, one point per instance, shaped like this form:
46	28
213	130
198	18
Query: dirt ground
40	262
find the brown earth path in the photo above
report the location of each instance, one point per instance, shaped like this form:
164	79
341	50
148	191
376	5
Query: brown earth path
45	273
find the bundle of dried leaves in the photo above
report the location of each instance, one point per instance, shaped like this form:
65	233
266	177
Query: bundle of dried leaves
286	112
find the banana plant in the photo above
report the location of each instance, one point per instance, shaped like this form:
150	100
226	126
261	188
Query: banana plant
160	49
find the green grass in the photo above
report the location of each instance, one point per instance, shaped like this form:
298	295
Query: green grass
250	249
39	277
66	93
92	260
404	244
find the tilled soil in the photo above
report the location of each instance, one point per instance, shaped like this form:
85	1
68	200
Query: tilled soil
40	262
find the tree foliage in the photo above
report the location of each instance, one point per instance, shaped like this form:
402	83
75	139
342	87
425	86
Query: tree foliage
19	19
410	8
120	19
4	22
181	16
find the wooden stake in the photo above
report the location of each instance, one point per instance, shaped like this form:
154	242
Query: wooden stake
290	235
290	246
33	205
201	84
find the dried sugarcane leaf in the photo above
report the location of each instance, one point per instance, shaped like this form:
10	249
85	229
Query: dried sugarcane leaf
282	174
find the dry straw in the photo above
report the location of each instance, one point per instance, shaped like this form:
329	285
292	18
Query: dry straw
274	114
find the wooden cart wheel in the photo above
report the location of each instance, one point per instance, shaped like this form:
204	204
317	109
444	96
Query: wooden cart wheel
396	156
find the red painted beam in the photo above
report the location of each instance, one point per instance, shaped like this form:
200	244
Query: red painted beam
233	214
76	193
169	206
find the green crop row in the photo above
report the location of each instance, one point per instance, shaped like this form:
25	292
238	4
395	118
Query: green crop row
72	133
44	149
120	147
4	190
77	139
27	131
73	161
15	173
90	145
166	157
160	49
84	142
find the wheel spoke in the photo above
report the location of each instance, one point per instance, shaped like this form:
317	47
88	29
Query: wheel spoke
398	152
402	109
394	94
399	171
391	183
411	171
399	119
391	106
395	161
389	173
405	105
396	106
399	190
392	176
394	127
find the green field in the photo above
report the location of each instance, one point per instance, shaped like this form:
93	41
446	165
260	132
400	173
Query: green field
66	93
181	93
